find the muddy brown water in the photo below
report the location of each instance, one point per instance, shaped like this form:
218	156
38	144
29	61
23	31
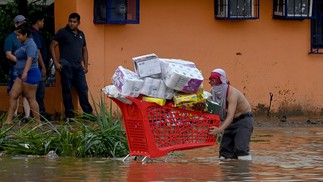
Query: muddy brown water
279	154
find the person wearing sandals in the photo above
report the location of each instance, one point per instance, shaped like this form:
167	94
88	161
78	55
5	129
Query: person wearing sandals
236	117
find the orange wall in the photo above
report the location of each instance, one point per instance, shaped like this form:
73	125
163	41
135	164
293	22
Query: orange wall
260	56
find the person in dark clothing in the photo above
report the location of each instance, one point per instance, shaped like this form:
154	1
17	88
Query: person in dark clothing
37	21
73	64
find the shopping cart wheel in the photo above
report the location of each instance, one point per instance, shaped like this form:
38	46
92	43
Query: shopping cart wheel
124	159
145	159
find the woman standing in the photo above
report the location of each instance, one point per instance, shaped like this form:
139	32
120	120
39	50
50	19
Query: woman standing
28	73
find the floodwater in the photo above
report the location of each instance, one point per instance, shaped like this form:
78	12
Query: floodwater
279	154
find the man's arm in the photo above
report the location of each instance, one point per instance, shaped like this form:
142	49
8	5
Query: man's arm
232	105
11	57
232	101
85	59
41	63
8	46
52	47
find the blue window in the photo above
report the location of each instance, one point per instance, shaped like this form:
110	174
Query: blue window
317	28
292	9
116	11
236	9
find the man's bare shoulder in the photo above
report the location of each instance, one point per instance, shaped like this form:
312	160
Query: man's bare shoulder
241	101
234	91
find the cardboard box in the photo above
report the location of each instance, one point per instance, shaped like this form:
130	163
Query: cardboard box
147	65
182	78
180	98
156	88
127	82
158	101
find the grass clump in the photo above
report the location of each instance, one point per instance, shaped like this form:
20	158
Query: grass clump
97	135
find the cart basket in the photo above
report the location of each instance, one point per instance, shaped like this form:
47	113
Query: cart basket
154	131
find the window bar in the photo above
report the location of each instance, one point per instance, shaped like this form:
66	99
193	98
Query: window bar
316	28
229	8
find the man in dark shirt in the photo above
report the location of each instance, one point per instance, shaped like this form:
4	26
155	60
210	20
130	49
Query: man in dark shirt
73	51
37	21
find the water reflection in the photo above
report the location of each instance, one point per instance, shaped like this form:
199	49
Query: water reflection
278	155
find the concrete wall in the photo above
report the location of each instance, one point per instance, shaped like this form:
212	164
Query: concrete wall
260	56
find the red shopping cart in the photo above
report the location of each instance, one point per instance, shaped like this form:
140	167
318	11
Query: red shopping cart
154	131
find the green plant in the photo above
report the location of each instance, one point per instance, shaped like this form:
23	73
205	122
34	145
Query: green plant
3	131
98	135
102	136
31	139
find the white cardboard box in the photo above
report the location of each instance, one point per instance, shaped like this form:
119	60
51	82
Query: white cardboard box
156	88
127	82
147	65
182	78
164	63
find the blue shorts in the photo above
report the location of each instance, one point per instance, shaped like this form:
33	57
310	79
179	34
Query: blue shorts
33	76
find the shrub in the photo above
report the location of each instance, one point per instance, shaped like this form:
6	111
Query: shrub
98	135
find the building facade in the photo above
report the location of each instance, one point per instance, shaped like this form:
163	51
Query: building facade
271	60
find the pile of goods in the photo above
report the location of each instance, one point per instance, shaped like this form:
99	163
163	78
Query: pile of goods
163	81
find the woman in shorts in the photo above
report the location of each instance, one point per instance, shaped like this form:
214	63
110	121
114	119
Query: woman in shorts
28	73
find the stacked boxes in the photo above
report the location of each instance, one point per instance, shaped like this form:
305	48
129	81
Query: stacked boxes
156	88
158	79
191	101
182	78
127	82
147	65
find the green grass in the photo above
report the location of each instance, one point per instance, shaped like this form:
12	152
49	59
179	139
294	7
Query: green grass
97	135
